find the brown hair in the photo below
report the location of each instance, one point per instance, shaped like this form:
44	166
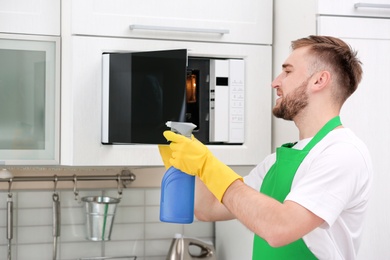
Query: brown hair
336	55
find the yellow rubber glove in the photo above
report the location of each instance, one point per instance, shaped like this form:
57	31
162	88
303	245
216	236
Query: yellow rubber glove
194	158
165	153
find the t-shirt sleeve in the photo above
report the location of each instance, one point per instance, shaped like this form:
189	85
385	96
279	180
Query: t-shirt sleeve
331	180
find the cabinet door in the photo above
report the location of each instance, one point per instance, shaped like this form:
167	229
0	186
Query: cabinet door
243	21
233	240
367	114
29	100
82	102
30	17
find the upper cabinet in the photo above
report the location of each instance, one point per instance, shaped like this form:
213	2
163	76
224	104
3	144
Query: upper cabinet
30	82
30	17
245	21
227	30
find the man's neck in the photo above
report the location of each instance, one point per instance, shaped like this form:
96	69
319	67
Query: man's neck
308	126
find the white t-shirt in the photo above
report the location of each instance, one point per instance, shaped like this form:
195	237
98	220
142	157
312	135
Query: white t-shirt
333	182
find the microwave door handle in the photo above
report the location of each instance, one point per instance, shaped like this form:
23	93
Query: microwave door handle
177	29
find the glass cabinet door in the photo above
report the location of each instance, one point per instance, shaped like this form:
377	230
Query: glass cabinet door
29	100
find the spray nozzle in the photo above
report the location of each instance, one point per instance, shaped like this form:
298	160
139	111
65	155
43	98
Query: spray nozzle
181	128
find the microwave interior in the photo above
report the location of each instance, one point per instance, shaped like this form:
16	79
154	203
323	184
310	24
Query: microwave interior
144	90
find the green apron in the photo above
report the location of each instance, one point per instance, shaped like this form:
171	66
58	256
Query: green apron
277	184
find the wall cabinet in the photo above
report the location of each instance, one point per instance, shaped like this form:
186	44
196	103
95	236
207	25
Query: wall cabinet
243	21
30	17
29	82
91	27
82	103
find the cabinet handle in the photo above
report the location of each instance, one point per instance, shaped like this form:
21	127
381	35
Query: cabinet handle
357	5
177	29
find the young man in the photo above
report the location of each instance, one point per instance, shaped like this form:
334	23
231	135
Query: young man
307	200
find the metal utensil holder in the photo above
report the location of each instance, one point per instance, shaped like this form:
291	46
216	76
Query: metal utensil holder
100	215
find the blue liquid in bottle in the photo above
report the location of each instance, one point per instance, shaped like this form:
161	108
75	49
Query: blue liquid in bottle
177	197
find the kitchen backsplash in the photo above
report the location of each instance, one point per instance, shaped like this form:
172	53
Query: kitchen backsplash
137	230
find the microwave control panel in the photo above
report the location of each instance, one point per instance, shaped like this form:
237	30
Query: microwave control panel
227	101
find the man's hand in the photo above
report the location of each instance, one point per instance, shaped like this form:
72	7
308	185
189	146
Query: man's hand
188	155
194	158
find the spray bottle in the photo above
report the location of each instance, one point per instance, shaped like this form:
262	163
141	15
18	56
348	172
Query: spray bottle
177	187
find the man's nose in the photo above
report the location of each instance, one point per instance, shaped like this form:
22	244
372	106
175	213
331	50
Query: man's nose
275	83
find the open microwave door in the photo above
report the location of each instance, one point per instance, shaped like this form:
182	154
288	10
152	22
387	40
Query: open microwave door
140	93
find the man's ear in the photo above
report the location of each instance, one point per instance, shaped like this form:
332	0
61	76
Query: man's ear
321	80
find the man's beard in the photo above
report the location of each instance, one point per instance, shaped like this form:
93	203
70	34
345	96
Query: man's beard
293	103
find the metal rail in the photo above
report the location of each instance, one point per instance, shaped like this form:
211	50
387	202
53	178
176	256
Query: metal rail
70	178
124	178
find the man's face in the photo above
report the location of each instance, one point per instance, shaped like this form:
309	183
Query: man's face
290	105
291	86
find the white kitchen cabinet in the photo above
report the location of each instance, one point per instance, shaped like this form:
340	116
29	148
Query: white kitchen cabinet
367	113
82	102
29	82
233	240
30	17
243	21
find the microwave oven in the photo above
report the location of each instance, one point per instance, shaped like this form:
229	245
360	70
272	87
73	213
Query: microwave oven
141	91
